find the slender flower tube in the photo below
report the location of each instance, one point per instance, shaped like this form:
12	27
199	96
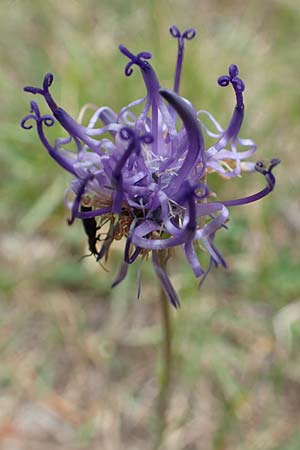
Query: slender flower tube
148	181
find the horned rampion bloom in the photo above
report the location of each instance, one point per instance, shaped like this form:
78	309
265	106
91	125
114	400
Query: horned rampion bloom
145	177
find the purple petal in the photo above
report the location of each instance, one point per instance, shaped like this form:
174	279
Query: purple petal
165	281
121	275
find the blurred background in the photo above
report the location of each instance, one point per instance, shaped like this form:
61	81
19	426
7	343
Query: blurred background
81	363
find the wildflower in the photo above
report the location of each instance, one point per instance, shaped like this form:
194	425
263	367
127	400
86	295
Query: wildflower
149	179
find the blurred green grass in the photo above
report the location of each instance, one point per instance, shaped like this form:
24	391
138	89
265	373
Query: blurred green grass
91	354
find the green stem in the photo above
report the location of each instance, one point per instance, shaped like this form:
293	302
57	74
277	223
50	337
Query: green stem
165	379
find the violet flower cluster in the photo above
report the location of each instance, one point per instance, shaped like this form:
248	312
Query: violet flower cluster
146	176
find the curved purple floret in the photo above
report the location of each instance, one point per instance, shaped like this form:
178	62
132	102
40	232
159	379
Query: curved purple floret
47	82
77	201
153	99
233	129
160	270
148	73
271	181
237	84
134	146
187	195
75	130
36	116
121	275
48	121
188	35
196	152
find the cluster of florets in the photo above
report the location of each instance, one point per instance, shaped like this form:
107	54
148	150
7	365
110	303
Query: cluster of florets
148	179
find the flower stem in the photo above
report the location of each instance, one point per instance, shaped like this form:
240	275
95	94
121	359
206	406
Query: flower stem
165	377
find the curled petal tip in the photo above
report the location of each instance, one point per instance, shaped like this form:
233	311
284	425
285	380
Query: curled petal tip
223	80
262	167
233	70
32	89
140	59
274	162
48	80
25	120
189	34
145	55
174	31
147	138
239	85
126	134
123	49
34	108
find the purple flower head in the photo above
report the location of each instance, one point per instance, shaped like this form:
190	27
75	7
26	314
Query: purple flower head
148	181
